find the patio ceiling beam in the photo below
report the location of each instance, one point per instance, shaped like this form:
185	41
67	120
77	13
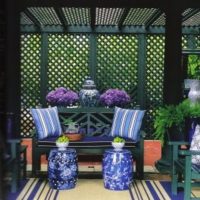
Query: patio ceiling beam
61	17
93	17
190	14
123	17
97	29
32	18
153	18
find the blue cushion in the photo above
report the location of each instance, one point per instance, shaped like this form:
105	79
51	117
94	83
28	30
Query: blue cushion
127	123
47	122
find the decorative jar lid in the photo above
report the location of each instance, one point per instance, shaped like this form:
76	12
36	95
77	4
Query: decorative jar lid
89	84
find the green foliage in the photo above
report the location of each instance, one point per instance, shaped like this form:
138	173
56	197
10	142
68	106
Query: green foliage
118	140
191	109
173	115
68	122
194	67
166	117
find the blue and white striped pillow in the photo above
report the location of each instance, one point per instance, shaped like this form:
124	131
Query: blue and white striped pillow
127	123
47	122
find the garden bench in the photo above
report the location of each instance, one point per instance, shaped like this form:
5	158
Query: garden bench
95	123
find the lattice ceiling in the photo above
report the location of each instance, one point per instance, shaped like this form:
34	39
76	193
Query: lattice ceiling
42	16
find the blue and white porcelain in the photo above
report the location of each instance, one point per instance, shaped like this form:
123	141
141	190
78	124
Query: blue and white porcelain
62	169
89	95
117	169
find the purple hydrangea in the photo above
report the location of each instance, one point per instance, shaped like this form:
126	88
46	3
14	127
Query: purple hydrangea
115	97
62	96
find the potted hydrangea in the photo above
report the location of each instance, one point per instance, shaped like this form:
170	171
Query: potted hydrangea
62	96
115	97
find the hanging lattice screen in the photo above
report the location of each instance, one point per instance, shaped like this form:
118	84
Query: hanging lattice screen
154	77
68	61
30	79
117	62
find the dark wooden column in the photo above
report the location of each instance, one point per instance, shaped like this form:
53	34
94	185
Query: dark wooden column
13	64
172	73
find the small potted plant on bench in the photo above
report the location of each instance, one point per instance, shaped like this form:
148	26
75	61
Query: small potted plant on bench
62	142
71	130
118	143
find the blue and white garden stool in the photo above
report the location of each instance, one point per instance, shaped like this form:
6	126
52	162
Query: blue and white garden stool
117	169
62	169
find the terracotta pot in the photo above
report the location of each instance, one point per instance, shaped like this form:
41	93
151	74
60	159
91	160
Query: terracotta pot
74	136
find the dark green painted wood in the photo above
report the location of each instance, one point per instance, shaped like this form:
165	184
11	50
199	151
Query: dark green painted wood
106	29
85	110
33	19
61	17
191	51
182	172
96	29
12	66
142	48
92	17
191	42
190	14
153	18
43	74
93	56
123	17
172	90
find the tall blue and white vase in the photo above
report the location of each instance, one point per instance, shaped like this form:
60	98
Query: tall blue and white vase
117	169
89	95
62	169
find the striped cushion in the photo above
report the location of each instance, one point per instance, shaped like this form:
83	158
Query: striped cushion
127	123
47	122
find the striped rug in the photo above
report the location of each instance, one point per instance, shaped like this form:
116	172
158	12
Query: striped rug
93	189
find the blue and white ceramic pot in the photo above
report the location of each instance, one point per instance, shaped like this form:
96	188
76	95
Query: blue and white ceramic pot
117	169
62	169
89	95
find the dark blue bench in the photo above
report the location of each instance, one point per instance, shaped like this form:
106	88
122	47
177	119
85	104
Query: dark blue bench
95	123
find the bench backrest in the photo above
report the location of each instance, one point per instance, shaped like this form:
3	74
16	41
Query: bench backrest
92	121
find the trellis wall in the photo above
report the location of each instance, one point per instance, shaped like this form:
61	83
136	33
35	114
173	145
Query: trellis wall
134	63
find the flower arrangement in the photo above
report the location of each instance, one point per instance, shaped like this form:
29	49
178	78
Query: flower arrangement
62	96
115	97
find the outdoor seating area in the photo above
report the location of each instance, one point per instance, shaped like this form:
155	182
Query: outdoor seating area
113	85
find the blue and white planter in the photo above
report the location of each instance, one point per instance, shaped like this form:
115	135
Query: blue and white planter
62	169
117	169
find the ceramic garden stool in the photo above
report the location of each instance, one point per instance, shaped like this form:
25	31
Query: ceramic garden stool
117	169
62	168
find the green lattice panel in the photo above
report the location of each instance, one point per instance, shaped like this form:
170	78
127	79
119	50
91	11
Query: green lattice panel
117	62
30	79
197	41
154	80
184	41
68	60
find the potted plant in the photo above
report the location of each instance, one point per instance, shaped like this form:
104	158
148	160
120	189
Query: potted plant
62	142
62	97
192	117
169	122
71	130
118	143
115	97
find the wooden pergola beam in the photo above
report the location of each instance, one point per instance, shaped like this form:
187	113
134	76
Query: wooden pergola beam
32	18
93	17
153	18
190	14
61	17
123	17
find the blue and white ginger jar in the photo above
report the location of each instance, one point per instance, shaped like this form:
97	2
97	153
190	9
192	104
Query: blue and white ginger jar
89	95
